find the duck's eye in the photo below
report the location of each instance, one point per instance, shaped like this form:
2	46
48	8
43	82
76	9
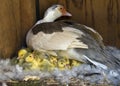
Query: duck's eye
61	8
22	55
61	62
30	56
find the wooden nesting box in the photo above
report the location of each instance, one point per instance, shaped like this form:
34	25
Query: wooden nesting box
17	17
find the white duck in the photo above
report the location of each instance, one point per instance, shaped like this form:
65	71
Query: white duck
79	41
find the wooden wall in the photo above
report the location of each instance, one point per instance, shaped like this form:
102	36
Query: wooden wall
17	16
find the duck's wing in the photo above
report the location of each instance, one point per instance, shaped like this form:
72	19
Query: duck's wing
96	52
55	36
90	34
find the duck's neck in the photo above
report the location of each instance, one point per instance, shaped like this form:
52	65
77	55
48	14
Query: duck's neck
46	19
43	20
49	18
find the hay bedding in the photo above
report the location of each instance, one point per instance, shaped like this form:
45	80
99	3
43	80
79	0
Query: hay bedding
83	75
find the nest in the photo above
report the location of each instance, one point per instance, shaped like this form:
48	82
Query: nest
20	71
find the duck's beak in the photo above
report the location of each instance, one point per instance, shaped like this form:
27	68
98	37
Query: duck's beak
18	58
67	13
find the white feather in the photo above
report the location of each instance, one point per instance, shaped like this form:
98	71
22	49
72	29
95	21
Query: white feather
96	63
93	31
57	40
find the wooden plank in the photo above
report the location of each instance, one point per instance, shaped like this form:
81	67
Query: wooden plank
118	23
28	16
9	23
16	17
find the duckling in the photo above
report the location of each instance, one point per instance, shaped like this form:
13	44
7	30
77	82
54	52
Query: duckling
67	62
31	62
64	55
75	63
53	60
22	52
46	66
30	58
63	64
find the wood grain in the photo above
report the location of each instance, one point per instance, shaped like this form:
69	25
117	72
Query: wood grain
15	19
9	23
28	16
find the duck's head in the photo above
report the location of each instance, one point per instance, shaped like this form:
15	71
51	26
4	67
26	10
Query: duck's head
22	53
55	12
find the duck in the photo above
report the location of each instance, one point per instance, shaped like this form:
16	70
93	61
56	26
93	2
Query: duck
79	41
51	14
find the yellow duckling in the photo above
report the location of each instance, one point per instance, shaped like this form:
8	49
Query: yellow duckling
45	65
53	60
30	58
47	62
67	62
64	55
63	64
75	63
32	62
21	53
